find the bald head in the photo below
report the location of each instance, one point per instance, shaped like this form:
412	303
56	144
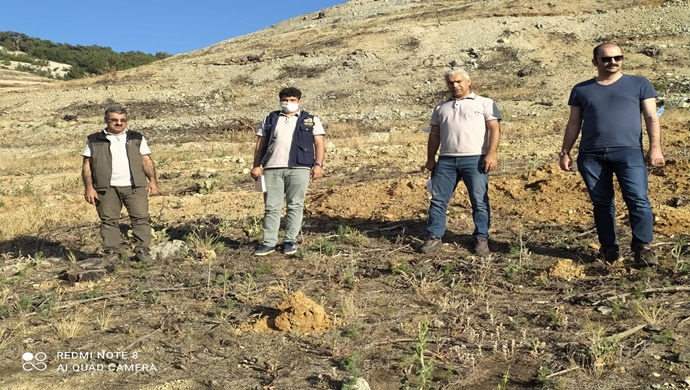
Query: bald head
606	45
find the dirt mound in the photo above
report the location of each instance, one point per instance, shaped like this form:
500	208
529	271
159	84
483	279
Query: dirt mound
567	270
298	313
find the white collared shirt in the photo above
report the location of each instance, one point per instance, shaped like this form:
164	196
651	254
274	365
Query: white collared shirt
121	175
462	124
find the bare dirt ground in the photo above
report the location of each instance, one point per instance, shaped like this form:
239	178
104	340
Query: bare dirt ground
358	300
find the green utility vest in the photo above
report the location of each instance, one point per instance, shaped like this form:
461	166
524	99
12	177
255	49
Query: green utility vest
102	160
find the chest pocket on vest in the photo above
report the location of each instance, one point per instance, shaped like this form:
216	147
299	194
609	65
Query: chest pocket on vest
305	154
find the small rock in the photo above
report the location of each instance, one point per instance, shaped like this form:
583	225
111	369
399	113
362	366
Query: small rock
654	328
95	263
168	250
604	310
379	137
684	357
357	384
679	201
205	173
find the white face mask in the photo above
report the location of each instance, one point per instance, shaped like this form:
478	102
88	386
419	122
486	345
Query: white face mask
289	107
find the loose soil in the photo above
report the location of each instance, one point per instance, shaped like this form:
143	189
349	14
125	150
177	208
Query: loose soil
358	300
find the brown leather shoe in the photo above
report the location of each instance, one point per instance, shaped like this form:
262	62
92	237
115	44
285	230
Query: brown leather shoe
432	244
645	256
481	247
143	256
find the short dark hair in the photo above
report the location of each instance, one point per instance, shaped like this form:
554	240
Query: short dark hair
290	92
116	110
596	49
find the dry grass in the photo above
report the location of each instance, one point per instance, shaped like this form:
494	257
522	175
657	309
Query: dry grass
103	318
71	325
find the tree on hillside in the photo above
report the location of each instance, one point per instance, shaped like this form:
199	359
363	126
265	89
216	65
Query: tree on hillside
85	60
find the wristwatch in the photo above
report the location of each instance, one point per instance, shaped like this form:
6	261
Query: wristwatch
318	165
563	153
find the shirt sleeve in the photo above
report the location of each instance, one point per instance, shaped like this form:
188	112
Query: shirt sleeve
573	100
647	90
144	147
260	131
318	127
434	117
87	149
491	112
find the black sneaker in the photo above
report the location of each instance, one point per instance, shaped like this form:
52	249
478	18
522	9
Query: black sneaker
289	248
431	245
645	256
264	250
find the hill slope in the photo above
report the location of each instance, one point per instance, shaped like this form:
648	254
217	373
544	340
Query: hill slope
537	314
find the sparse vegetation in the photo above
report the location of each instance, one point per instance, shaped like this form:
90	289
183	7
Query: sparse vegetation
400	319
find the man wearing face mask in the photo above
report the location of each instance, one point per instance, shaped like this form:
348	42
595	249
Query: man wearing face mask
289	151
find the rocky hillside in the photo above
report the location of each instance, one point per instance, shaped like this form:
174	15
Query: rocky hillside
540	313
380	62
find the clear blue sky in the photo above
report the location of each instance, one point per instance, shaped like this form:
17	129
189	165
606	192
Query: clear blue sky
149	26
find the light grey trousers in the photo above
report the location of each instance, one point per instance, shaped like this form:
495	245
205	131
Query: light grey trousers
289	184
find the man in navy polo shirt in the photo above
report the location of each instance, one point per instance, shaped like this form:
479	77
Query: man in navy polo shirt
607	110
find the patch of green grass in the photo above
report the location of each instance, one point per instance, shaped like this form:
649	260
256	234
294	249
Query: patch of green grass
511	271
350	363
665	337
349	277
24	304
401	267
617	308
263	269
353	330
324	246
349	236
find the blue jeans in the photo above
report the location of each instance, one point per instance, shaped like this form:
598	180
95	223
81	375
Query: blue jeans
597	168
446	176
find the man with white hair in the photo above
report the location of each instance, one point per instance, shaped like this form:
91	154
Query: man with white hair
466	129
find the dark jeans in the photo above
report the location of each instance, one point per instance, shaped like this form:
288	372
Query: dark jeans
597	169
109	206
447	174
